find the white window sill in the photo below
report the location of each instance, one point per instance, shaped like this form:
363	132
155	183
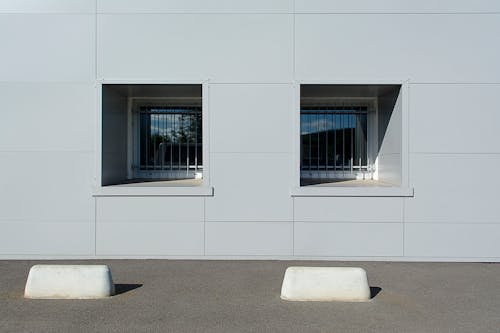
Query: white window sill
345	191
167	191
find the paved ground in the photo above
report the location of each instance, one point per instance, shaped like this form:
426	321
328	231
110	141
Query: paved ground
243	296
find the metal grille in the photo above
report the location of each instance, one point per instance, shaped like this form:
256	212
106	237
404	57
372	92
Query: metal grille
171	140
334	139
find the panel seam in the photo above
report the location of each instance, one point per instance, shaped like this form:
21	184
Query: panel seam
95	226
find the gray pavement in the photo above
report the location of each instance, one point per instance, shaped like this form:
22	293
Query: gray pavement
243	296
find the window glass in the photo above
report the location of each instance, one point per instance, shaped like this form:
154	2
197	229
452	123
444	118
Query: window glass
333	141
171	138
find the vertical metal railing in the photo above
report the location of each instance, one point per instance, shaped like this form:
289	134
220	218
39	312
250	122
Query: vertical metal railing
170	140
334	139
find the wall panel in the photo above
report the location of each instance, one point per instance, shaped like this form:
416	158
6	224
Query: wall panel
348	209
46	186
242	48
250	187
396	6
421	48
249	238
458	118
44	116
149	209
149	238
195	6
46	239
251	118
348	239
47	6
452	240
46	47
454	188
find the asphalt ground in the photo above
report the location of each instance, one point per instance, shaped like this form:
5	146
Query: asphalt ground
244	296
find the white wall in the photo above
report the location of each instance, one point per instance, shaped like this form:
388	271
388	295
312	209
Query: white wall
452	168
47	73
425	48
252	53
219	47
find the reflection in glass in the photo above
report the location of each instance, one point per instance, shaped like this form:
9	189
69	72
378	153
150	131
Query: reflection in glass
170	138
333	138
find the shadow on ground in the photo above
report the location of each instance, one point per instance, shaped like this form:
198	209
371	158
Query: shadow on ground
122	288
374	291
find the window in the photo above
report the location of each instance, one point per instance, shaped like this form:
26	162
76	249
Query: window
334	141
170	142
152	135
351	136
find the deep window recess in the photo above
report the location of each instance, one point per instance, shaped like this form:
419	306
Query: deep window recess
152	135
350	135
170	142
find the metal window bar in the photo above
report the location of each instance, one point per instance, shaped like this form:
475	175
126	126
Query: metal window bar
170	140
344	128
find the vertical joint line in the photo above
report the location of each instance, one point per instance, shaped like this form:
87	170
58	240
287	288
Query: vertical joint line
95	40
404	225
293	226
204	227
95	226
293	41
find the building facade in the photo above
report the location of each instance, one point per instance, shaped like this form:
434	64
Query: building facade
267	129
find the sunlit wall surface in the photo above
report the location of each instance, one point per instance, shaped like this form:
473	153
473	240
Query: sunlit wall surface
251	56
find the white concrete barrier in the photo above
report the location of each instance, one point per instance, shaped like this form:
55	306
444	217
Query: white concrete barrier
325	284
69	282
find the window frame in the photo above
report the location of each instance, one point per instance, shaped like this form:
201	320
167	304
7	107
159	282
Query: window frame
139	191
403	190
